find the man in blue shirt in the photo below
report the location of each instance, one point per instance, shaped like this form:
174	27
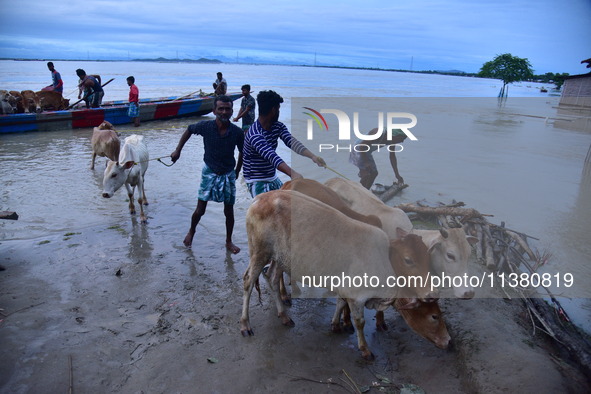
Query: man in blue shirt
220	169
92	87
260	159
57	83
247	107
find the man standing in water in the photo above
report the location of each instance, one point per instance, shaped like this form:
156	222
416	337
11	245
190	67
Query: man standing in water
368	170
220	169
247	107
260	159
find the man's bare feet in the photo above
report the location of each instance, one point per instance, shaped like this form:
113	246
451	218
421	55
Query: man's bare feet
232	248
188	241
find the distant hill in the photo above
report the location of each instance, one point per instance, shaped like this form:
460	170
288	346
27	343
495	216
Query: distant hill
165	60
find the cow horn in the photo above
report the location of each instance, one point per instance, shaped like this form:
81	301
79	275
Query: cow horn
444	233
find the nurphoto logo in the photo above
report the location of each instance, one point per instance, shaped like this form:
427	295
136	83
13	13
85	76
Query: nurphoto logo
399	121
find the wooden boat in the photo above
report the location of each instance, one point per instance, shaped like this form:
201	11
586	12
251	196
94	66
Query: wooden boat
113	111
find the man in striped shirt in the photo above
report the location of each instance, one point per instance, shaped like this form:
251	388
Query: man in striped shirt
260	143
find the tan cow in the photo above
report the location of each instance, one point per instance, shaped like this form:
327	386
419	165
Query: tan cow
30	101
283	226
426	320
52	101
20	106
105	143
449	249
328	196
323	193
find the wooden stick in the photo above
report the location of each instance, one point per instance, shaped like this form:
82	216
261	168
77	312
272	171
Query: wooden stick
521	242
352	382
464	212
478	244
187	95
392	191
8	215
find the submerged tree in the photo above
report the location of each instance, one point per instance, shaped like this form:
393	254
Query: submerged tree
507	68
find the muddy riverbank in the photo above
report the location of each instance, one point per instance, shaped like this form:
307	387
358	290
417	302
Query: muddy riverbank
122	307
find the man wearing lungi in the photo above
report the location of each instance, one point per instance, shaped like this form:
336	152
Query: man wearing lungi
220	169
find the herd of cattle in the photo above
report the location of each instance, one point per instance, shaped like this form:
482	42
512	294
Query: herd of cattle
360	236
28	101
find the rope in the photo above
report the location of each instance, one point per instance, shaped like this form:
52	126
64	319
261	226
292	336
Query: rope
336	172
158	159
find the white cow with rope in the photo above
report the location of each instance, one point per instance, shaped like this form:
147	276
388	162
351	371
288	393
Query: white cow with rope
129	170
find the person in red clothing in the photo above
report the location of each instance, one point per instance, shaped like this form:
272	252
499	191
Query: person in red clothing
134	101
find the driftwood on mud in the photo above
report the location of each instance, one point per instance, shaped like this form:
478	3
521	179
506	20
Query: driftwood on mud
505	250
387	193
8	215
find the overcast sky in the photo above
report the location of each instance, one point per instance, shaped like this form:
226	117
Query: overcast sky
555	35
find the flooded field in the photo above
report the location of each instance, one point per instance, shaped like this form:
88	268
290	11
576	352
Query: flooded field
136	310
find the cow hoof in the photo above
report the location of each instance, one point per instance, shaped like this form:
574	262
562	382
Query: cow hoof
368	356
289	323
348	328
381	327
247	333
336	328
287	302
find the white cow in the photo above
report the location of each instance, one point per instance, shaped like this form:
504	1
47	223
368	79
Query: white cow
449	249
282	227
129	170
5	106
366	203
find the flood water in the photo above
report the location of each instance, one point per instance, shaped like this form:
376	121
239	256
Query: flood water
523	163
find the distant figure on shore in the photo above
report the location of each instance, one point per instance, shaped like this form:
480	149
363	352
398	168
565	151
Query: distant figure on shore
57	83
260	144
219	85
368	171
247	107
134	101
90	86
220	169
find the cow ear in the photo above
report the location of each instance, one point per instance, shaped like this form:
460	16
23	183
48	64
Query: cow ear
411	303
432	247
128	164
471	240
401	233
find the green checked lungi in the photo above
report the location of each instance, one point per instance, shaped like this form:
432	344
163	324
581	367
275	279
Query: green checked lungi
134	110
218	188
259	187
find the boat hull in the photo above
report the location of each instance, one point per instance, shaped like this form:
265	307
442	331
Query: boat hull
114	112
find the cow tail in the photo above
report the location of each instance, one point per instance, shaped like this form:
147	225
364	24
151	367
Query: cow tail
258	287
